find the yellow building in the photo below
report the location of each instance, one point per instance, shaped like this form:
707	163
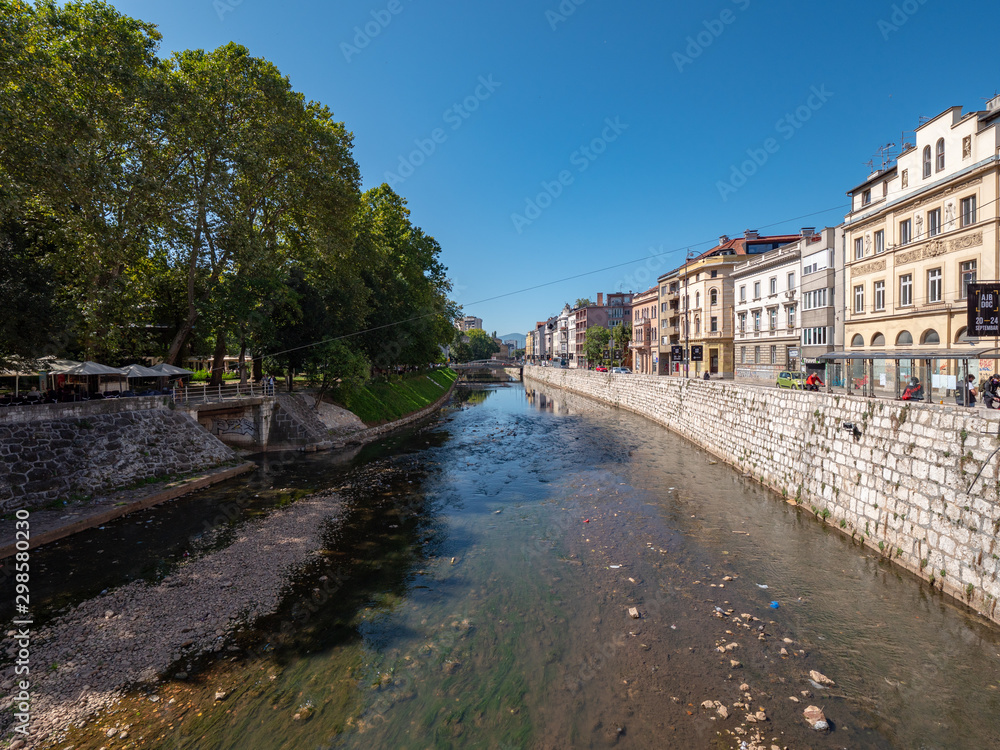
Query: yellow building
918	234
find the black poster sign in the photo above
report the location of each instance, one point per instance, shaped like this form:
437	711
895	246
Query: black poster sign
984	310
676	353
696	352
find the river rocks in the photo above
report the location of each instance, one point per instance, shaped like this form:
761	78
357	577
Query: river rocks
815	717
220	695
723	712
633	613
821	679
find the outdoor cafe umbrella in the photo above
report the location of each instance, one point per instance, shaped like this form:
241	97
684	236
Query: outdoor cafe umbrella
169	370
138	371
92	368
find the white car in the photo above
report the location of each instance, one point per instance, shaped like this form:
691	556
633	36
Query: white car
621	370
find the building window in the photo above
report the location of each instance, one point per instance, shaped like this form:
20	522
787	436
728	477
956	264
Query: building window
743	355
859	248
774	354
772	285
934	285
930	336
904	339
880	241
715	324
905	232
714	274
697	299
934	222
817	336
772	316
968	270
756	355
713	296
756	320
904	178
859	298
756	290
697	326
939	163
811	268
858	340
743	294
906	290
880	295
968	210
866	197
791	280
743	322
927	162
791	316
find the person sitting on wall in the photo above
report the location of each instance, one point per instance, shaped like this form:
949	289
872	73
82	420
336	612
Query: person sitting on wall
914	390
991	391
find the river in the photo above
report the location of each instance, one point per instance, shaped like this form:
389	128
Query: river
477	591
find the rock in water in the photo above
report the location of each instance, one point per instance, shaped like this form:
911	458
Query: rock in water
821	678
817	720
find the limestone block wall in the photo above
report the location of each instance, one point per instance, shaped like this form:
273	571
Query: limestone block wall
899	481
47	455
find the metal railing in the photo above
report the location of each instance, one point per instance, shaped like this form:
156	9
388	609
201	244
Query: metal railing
203	393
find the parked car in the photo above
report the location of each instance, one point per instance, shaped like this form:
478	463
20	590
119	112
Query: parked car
791	380
621	370
600	368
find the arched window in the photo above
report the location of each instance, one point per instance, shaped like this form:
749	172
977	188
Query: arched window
878	340
714	296
962	337
940	155
930	336
927	162
904	339
697	299
858	340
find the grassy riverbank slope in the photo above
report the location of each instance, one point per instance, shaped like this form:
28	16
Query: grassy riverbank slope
380	402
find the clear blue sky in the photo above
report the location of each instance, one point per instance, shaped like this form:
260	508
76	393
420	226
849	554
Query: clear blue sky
686	109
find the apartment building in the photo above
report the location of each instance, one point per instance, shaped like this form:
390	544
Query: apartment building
468	323
644	348
918	233
703	316
584	318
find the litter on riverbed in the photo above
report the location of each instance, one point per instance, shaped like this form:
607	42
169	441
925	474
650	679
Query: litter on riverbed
614	567
762	585
774	605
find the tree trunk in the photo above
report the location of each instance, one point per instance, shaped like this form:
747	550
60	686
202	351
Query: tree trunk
219	360
258	368
243	355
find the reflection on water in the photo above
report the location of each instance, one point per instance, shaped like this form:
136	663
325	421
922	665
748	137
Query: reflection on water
472	597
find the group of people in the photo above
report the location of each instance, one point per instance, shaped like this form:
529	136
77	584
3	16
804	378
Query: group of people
991	391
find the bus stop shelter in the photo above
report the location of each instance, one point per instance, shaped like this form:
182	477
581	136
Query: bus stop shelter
887	373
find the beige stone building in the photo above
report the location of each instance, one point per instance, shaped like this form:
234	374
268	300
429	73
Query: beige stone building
645	351
697	299
918	233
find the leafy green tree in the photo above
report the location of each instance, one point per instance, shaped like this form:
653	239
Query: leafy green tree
335	364
481	345
595	345
582	302
621	335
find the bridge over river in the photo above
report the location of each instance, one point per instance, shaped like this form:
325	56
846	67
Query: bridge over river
488	370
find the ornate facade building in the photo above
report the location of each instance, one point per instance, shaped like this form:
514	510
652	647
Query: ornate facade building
918	233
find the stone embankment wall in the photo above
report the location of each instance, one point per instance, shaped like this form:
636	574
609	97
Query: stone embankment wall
54	452
899	481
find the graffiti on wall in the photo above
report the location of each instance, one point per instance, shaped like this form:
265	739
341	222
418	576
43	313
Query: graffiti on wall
242	426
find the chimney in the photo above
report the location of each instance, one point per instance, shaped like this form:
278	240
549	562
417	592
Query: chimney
600	299
808	231
750	234
723	239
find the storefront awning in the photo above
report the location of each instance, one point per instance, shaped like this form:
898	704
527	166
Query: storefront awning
962	353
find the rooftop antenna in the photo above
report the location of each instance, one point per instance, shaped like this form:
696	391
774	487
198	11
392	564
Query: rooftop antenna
906	141
923	118
884	157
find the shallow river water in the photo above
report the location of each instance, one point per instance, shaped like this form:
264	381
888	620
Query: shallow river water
477	594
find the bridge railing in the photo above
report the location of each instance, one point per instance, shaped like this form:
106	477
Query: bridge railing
203	393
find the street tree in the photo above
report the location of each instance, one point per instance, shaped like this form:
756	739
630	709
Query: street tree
595	345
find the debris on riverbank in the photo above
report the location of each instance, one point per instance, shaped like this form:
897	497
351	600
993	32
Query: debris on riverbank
87	657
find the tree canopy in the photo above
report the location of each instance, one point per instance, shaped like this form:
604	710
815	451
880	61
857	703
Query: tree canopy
160	207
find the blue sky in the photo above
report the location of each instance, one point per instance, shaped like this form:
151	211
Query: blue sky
541	140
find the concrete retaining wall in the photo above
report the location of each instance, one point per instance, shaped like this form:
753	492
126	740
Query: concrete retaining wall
898	481
54	452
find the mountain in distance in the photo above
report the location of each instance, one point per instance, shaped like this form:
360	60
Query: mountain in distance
518	337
